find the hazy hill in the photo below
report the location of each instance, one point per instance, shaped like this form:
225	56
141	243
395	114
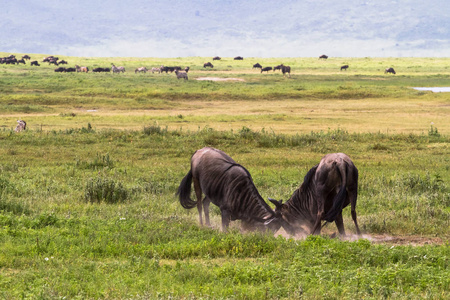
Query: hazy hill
227	28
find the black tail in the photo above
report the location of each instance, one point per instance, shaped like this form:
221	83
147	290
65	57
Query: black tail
184	192
338	200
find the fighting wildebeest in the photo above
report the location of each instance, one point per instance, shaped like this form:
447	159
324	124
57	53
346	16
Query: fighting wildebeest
208	64
81	69
21	125
257	66
389	70
344	67
217	58
34	63
181	74
228	185
286	69
323	56
141	69
326	190
238	58
266	69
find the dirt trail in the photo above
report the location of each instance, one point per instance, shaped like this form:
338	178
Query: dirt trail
399	240
219	79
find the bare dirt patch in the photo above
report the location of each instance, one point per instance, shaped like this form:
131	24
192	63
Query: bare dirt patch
411	240
401	240
219	79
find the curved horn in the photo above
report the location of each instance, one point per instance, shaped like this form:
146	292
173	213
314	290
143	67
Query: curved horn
278	204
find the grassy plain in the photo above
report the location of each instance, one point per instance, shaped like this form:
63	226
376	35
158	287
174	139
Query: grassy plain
87	204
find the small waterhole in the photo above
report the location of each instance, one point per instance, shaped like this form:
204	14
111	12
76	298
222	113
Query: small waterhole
434	89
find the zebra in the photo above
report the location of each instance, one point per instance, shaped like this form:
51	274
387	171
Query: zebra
181	75
115	69
158	70
141	69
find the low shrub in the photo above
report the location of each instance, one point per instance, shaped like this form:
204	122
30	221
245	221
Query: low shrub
105	190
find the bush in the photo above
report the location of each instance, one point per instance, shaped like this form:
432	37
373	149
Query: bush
107	190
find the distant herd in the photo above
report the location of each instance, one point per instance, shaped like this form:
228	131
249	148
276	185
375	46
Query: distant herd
180	72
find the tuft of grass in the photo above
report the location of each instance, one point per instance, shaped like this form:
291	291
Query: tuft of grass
105	190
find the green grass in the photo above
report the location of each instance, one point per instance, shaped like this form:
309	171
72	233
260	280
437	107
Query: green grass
87	199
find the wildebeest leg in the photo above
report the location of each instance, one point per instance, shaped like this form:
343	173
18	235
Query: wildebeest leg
225	220
317	226
320	212
340	224
206	203
198	193
353	194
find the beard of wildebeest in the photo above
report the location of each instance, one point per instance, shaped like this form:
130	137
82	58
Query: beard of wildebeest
229	186
326	190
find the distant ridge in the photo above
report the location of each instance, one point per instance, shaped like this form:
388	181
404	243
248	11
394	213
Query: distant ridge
227	28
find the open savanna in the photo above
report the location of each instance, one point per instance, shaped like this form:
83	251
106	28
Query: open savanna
87	192
318	96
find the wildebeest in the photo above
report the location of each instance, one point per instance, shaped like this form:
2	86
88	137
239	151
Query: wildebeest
81	69
208	64
21	61
187	69
228	185
344	67
63	62
266	69
21	125
141	69
238	58
323	56
217	58
277	67
9	60
26	56
257	66
167	69
53	61
181	74
117	69
68	70
326	190
34	63
60	69
49	58
100	70
286	69
389	70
